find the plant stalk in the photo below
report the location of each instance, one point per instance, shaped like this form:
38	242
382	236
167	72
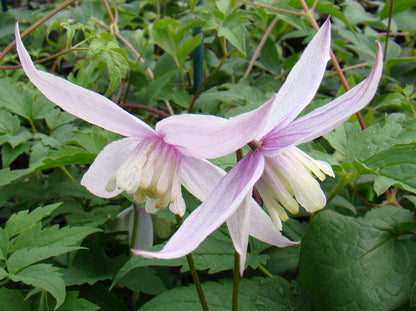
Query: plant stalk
195	277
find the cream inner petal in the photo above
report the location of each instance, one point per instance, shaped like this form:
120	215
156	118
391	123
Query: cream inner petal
151	174
288	179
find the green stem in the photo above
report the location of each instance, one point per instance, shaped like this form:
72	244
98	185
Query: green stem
195	277
265	271
388	29
342	182
133	233
236	280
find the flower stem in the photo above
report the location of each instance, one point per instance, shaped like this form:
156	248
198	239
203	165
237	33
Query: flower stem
135	225
195	277
236	280
342	182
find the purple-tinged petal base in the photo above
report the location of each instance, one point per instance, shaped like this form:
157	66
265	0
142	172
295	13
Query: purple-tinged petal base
219	206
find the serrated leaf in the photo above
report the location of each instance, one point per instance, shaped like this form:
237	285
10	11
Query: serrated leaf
56	118
74	303
233	29
4	244
9	154
358	263
52	236
3	273
396	166
23	220
9	123
7	175
43	276
13	300
254	294
104	49
185	49
25	257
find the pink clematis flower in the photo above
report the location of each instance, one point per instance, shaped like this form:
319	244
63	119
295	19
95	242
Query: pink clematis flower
281	172
149	164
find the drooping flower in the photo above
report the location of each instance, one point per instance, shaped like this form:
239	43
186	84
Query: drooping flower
148	164
281	172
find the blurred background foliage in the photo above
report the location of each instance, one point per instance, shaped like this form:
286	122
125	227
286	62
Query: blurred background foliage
56	246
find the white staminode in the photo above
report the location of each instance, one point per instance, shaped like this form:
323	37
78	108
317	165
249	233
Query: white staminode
151	174
288	179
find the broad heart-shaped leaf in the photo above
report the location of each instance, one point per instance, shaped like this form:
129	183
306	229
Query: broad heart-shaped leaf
23	220
358	263
13	300
43	276
256	294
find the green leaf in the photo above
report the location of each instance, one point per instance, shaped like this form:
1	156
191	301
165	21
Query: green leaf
185	49
399	6
396	166
283	261
413	295
216	253
43	276
105	50
164	33
254	294
358	263
233	29
9	154
4	244
52	237
23	220
56	118
3	273
13	300
74	303
7	175
9	123
144	280
24	257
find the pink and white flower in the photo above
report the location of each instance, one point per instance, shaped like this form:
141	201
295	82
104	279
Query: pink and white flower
281	172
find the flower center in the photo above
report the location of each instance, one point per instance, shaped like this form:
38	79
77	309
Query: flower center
151	174
288	181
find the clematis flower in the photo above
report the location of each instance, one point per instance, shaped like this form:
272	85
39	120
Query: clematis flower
282	173
148	164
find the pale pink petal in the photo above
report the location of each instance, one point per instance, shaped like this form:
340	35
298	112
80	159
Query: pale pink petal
143	237
106	165
200	177
85	104
124	222
219	206
324	119
207	137
303	81
238	226
262	228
